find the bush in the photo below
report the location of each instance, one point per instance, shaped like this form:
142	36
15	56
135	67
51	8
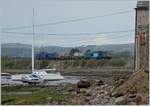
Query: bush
44	64
118	62
7	63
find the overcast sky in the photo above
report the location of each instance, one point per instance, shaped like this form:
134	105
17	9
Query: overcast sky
16	13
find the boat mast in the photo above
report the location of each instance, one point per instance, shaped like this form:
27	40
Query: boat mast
33	42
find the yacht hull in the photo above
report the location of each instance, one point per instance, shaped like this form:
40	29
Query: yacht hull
51	78
18	77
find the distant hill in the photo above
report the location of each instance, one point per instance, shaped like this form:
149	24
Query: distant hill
24	50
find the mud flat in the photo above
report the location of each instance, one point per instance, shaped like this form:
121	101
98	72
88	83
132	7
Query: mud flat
86	90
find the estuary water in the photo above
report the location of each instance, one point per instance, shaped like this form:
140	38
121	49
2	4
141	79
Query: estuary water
67	79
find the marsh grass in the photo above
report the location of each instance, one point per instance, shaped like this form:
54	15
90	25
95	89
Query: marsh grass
38	95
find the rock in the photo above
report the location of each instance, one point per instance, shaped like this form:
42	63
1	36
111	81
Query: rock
105	85
87	99
102	86
107	97
119	82
103	92
112	89
132	90
83	84
132	103
138	99
82	90
120	101
88	93
74	92
101	95
70	89
106	93
97	88
77	90
104	101
94	92
94	101
100	82
144	99
117	94
98	95
116	78
93	82
132	95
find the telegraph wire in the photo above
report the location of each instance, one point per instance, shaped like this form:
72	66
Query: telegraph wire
55	34
95	37
111	35
68	21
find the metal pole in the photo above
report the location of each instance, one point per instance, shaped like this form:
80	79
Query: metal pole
33	42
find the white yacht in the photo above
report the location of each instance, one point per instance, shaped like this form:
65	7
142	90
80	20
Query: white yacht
47	76
37	76
31	79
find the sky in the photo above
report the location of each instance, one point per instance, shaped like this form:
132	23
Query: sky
18	13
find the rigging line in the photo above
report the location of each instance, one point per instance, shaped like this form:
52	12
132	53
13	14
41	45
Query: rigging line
68	21
54	34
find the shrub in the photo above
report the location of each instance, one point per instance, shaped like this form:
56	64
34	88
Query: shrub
118	62
44	64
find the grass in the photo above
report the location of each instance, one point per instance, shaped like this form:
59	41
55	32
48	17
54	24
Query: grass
38	95
24	65
16	71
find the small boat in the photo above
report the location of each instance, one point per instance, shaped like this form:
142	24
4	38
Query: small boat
31	79
47	76
38	75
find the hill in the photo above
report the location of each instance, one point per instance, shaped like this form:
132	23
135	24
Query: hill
24	50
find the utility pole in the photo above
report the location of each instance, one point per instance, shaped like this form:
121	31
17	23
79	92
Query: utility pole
142	36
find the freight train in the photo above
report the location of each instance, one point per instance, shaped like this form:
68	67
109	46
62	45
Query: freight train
86	55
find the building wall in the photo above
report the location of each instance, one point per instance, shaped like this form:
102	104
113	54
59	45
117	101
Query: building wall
142	36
